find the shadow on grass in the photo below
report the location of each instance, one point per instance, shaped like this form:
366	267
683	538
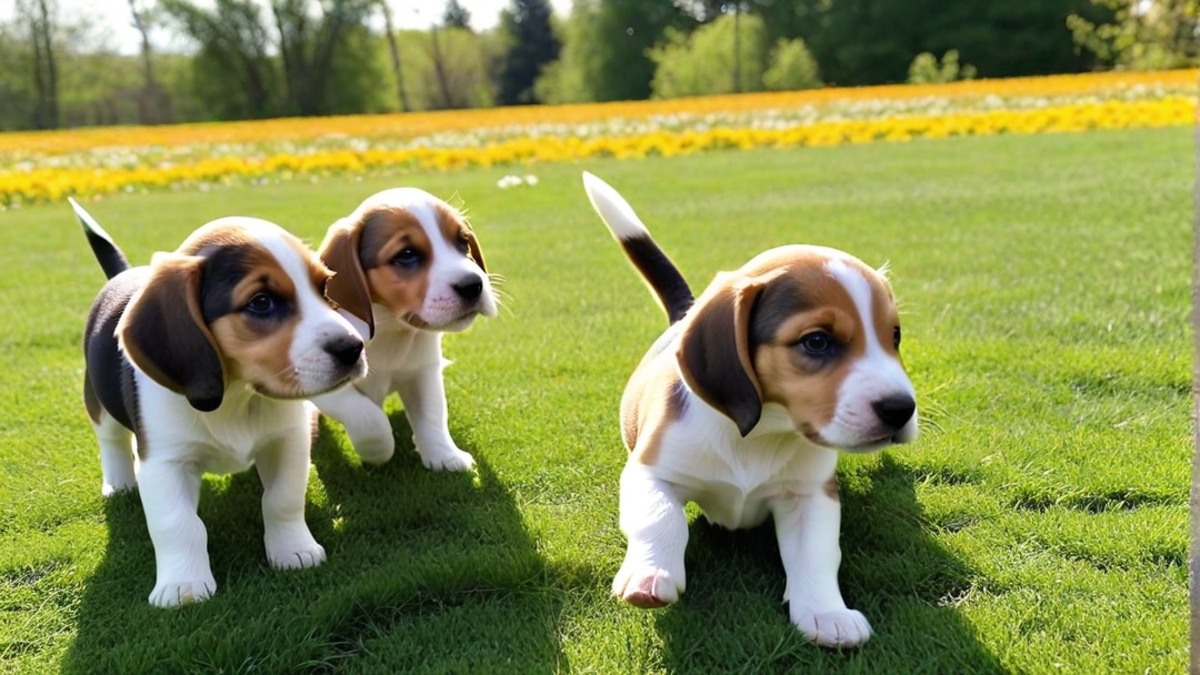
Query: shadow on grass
732	617
426	572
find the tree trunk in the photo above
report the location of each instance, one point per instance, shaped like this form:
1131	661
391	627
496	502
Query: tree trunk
395	49
439	69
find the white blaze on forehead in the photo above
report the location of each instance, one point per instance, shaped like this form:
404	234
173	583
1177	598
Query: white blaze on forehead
860	292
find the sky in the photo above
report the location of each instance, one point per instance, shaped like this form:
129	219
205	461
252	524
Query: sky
110	18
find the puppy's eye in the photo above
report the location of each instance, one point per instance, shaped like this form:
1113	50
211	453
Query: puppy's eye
462	244
896	337
261	304
817	343
407	258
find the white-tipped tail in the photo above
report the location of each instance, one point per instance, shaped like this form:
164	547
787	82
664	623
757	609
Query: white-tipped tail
89	223
616	213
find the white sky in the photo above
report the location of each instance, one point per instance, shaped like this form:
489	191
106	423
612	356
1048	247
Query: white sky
111	23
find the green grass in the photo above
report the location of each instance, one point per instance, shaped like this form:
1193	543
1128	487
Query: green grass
1038	525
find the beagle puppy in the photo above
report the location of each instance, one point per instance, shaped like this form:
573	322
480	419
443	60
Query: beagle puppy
742	406
408	268
202	361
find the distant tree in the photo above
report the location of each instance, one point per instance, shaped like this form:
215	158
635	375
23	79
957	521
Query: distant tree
531	46
874	41
309	42
621	33
394	51
728	55
233	72
1142	35
17	97
456	16
38	17
154	105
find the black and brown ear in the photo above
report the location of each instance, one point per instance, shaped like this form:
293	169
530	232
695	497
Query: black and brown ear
348	287
714	355
473	246
163	332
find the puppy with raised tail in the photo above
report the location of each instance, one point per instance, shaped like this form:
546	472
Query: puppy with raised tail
742	406
204	358
408	269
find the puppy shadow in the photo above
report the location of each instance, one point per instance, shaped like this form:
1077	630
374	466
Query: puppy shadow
732	616
425	572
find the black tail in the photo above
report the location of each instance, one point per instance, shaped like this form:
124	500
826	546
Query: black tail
656	268
111	259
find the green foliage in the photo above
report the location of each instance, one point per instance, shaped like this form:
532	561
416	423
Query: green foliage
571	78
1159	35
926	69
791	67
449	68
704	62
1038	525
531	45
606	49
456	16
874	41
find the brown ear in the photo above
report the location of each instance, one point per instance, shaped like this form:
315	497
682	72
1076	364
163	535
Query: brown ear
348	287
714	355
476	252
164	334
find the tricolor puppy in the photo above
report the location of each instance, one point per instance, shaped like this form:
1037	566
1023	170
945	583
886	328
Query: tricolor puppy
408	268
742	405
204	357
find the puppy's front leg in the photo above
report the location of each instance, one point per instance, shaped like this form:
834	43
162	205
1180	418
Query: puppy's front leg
808	529
170	493
423	393
653	519
366	424
283	469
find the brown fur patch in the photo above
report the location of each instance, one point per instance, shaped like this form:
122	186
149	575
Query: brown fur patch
805	385
831	488
91	402
385	233
258	350
458	233
664	404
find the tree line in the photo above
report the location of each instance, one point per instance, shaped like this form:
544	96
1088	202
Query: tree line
252	59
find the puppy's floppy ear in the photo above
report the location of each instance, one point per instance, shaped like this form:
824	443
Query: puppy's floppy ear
714	354
473	245
163	332
348	287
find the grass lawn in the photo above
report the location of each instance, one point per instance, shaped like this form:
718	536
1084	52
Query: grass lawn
1038	525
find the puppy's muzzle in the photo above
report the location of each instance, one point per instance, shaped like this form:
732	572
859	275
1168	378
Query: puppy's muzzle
469	289
894	411
345	350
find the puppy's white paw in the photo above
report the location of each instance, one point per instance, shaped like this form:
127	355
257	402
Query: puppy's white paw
176	593
110	489
647	587
295	553
838	628
375	449
451	459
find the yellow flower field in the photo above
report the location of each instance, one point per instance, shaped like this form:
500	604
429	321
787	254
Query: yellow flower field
48	166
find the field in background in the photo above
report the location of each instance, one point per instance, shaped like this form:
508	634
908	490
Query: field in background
48	166
1038	525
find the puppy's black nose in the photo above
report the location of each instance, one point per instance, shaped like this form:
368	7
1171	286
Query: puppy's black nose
345	350
896	410
469	289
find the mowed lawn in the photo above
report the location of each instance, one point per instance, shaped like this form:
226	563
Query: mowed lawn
1038	525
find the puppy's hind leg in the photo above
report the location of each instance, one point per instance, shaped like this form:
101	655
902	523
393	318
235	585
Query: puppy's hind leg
653	519
118	463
